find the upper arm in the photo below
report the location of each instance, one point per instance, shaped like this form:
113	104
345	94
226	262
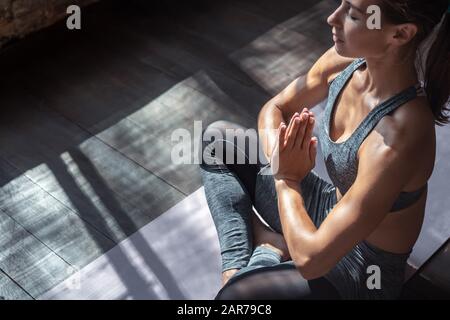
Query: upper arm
383	171
310	89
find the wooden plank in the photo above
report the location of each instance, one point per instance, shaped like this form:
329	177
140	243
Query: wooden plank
282	11
9	290
312	23
226	28
162	44
181	277
121	85
294	46
291	55
70	179
182	105
186	103
77	95
67	244
87	92
183	58
107	189
166	46
44	217
308	18
27	260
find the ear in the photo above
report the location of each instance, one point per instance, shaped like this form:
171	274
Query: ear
404	33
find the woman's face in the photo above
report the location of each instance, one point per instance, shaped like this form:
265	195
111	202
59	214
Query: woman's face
351	35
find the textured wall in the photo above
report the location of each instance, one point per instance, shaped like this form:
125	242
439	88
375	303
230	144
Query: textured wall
20	17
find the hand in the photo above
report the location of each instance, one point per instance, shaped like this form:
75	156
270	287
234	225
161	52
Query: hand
295	151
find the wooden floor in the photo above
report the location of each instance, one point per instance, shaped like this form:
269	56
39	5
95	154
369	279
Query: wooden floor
87	116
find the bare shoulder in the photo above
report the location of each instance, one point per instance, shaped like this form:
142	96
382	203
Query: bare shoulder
409	131
408	125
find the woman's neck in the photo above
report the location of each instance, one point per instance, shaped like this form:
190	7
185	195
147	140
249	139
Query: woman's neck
387	75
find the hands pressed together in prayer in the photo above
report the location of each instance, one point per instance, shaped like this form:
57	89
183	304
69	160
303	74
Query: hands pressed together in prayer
295	150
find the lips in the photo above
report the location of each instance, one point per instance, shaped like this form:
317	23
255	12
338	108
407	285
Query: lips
336	38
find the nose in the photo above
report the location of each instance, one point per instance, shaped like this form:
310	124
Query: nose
334	19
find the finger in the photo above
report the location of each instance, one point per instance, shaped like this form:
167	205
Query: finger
293	134
308	133
291	127
313	150
291	123
281	136
305	111
301	130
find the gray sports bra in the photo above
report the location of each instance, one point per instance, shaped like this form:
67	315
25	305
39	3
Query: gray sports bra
341	157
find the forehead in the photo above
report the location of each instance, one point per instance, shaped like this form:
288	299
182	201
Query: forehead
361	5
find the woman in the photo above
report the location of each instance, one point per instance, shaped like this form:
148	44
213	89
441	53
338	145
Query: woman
350	239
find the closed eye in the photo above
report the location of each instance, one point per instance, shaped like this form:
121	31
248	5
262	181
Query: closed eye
348	13
351	17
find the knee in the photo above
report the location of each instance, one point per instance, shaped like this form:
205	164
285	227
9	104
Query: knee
213	132
209	141
217	131
225	139
221	126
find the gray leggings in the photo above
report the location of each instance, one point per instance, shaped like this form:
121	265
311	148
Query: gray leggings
232	189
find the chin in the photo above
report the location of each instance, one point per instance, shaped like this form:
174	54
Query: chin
343	51
340	49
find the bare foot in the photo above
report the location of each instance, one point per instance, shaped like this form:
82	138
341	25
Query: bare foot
226	275
262	235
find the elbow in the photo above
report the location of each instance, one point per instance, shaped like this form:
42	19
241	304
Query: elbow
269	106
310	268
261	116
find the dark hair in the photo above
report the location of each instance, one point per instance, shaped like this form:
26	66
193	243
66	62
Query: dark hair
426	15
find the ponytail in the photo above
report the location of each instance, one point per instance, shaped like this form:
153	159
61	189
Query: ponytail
432	56
437	74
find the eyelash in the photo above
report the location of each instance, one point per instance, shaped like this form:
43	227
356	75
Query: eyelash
348	14
353	18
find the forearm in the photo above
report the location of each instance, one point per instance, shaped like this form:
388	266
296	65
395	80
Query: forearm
298	228
269	120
